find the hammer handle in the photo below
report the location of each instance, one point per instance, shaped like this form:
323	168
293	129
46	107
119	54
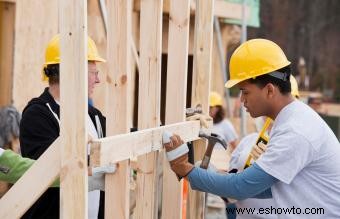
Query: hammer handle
207	156
205	162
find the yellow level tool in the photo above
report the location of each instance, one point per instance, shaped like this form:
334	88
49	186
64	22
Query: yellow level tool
263	137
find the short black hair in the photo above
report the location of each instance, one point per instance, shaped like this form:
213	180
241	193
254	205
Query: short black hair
52	72
284	86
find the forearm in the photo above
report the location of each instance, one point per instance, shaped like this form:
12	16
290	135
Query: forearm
16	166
250	183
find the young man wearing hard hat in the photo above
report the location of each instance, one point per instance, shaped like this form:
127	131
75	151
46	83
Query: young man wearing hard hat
300	168
39	126
240	155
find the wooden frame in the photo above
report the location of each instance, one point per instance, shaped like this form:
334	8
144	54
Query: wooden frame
149	103
109	150
201	86
73	108
13	205
118	102
178	46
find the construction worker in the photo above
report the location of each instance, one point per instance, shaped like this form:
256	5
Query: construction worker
39	126
223	127
300	168
240	155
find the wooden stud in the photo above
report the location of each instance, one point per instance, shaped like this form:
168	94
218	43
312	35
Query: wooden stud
73	108
32	184
96	30
179	18
149	103
7	21
201	86
117	185
107	150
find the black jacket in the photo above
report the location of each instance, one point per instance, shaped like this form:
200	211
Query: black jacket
38	130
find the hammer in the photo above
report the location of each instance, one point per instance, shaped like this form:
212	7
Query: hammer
212	140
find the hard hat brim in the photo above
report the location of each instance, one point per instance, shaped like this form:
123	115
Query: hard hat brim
97	59
232	83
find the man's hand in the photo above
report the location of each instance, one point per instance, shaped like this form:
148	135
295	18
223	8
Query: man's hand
97	176
177	154
257	150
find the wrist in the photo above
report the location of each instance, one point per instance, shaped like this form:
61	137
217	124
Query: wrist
182	169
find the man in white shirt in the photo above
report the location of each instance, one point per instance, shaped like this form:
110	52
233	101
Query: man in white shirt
301	167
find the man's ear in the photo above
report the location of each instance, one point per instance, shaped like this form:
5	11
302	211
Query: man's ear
271	89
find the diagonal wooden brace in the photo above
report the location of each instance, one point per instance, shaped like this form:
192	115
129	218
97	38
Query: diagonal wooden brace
32	184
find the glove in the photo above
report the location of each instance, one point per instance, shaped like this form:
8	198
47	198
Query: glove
177	154
97	177
204	119
257	150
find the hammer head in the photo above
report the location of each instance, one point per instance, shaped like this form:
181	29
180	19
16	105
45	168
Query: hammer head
213	138
193	111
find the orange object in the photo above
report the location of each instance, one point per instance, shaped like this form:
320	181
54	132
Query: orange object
185	198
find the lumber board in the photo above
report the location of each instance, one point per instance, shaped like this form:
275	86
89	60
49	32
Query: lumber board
123	146
179	18
73	108
96	30
202	54
149	103
7	23
39	177
222	9
117	185
201	87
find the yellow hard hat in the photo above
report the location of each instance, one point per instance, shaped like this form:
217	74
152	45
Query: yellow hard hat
215	99
52	53
294	87
254	58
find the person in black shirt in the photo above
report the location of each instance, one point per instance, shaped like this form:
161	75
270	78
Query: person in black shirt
39	126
